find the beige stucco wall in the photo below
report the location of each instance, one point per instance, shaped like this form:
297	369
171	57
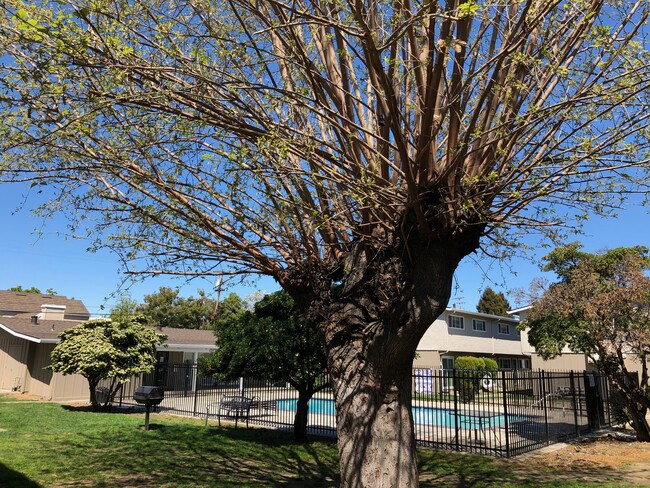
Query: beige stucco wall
565	362
427	359
633	363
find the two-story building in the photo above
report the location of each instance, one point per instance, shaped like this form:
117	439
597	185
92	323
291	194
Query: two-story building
463	333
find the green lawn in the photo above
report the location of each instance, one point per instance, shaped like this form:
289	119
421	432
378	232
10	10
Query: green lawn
49	445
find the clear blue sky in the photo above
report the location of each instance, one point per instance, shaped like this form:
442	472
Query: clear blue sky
52	261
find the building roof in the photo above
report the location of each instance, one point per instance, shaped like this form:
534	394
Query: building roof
13	302
47	331
188	336
452	310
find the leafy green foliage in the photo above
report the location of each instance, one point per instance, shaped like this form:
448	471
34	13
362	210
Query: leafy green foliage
32	289
493	303
124	310
167	309
272	342
470	371
230	310
600	307
102	349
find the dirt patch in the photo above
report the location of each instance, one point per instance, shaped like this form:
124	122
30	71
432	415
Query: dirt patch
23	396
604	459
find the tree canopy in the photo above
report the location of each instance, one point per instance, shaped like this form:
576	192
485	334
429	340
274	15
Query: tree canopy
101	349
31	289
356	152
166	308
600	307
272	342
493	303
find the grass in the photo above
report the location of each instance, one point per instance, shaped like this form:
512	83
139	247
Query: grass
50	445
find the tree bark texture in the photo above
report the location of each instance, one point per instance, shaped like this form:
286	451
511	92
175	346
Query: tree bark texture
375	428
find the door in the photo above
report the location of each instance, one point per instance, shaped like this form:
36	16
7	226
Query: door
162	364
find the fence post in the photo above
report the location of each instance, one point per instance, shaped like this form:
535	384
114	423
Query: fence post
241	386
505	412
196	388
575	402
453	374
545	405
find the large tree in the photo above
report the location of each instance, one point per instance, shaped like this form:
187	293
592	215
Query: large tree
101	349
275	343
354	151
600	307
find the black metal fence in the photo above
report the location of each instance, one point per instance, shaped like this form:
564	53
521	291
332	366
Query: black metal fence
505	414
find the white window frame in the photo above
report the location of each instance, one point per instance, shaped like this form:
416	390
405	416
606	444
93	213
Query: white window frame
500	330
451	320
474	323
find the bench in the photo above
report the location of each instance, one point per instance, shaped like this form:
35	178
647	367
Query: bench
230	407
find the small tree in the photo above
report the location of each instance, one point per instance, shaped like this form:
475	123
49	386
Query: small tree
600	307
102	349
275	343
471	370
493	303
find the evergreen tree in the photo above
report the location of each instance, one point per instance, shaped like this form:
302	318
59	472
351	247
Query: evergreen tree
493	303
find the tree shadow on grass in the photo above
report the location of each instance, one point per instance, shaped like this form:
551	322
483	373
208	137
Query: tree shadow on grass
127	409
187	454
9	477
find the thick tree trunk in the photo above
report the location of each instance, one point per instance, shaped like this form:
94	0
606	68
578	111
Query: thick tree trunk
375	428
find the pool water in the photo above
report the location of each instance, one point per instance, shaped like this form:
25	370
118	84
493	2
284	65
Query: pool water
421	415
316	405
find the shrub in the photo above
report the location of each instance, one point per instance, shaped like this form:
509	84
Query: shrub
470	371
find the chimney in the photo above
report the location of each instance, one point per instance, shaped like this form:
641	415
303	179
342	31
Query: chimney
34	319
52	312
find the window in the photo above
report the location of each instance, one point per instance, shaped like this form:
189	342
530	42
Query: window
456	322
504	363
504	328
447	372
479	325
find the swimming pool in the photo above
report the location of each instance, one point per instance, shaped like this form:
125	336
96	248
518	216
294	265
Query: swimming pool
421	415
